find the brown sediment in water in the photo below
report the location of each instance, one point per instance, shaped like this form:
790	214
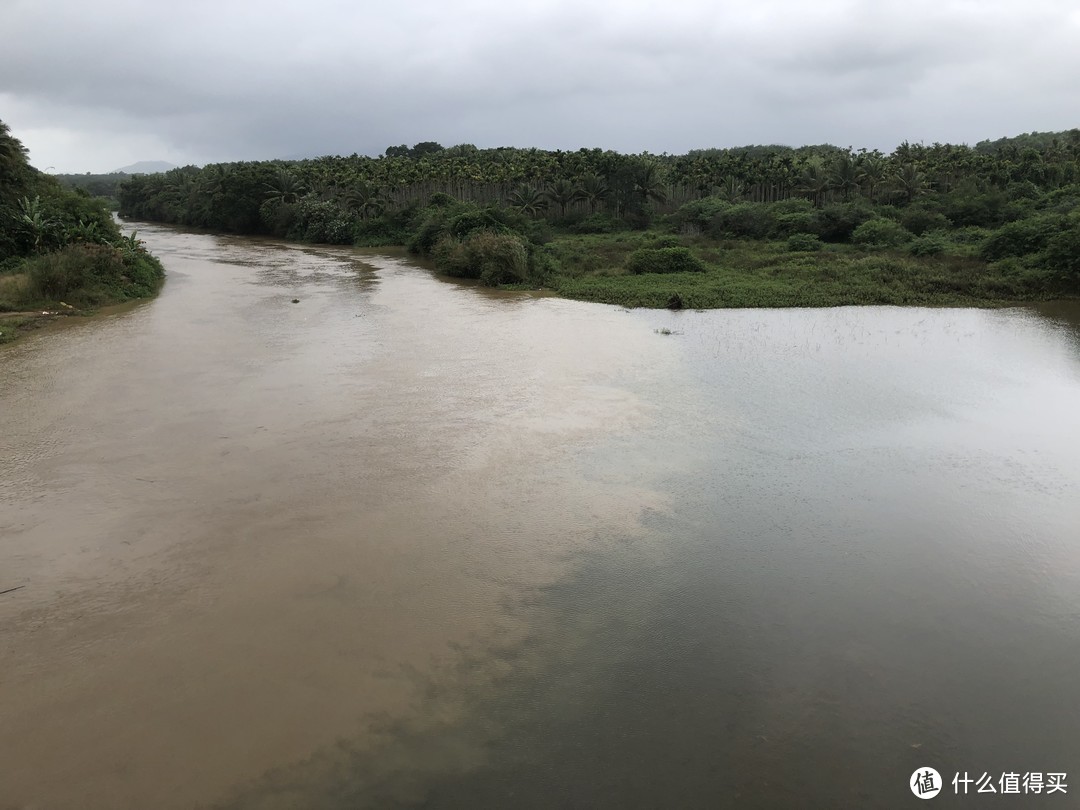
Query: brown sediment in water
242	537
413	543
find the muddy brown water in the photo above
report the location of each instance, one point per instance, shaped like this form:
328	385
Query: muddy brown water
413	543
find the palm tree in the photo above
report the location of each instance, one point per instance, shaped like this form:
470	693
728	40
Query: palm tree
285	188
562	192
365	199
527	200
649	185
732	188
814	182
844	176
909	181
594	191
872	174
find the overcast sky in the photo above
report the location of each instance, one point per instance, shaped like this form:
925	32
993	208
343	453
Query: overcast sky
92	86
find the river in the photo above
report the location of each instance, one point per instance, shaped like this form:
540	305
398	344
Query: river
410	543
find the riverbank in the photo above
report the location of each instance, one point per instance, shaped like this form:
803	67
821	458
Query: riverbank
753	273
76	280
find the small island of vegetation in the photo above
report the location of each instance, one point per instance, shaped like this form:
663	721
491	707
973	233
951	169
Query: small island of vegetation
61	252
760	226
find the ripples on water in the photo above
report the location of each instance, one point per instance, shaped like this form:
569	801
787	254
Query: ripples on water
411	543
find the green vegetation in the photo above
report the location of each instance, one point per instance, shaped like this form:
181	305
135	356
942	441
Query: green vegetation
60	250
756	226
104	186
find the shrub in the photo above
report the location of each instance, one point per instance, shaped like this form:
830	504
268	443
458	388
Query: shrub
933	244
880	233
440	200
745	220
321	221
836	223
663	260
662	241
1062	254
799	222
699	213
966	207
969	235
494	258
91	274
1020	238
596	223
477	219
920	221
803	242
428	233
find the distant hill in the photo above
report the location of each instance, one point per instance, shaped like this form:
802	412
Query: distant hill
145	167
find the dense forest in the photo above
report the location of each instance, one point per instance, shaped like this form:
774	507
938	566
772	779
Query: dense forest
60	248
759	225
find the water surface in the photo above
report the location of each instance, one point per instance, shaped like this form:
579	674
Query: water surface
411	543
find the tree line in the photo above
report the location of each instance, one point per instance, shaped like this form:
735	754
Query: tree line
1014	198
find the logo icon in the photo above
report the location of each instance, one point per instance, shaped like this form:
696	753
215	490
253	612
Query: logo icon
925	783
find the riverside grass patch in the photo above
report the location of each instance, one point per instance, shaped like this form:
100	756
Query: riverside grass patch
770	274
80	275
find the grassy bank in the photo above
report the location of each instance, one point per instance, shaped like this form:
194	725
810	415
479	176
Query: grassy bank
751	273
61	252
76	279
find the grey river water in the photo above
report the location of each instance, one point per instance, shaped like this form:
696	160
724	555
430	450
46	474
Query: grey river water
409	543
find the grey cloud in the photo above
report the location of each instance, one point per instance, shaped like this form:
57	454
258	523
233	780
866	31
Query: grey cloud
233	80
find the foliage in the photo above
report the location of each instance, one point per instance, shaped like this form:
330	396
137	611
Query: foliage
91	275
1062	254
1021	238
59	244
880	232
494	258
932	244
799	242
578	214
663	260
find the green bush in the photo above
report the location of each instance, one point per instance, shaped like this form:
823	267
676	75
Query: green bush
1062	254
440	200
1020	238
966	207
802	242
932	244
666	240
836	223
969	235
431	229
699	213
745	220
477	219
91	274
880	233
663	260
494	258
321	222
596	223
920	221
798	222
